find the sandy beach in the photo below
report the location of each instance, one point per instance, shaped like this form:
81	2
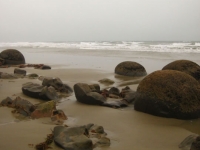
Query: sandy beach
126	128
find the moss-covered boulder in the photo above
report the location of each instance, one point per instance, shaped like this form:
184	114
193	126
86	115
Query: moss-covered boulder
12	57
185	66
169	93
130	68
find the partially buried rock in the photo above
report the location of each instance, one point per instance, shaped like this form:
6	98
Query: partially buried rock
72	138
20	71
58	117
169	93
33	76
38	91
88	94
106	81
45	67
128	94
130	68
22	106
12	57
185	66
7	76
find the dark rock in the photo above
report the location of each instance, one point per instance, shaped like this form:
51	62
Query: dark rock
185	66
2	61
58	117
128	94
38	91
130	68
88	94
6	102
169	93
45	67
114	90
72	138
57	84
19	71
84	137
12	57
22	106
196	144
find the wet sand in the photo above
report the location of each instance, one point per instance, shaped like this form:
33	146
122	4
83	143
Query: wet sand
127	128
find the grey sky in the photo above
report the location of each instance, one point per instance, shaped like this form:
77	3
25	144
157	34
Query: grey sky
99	20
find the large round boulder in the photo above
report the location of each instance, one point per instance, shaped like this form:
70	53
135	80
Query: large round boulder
185	66
12	57
169	93
130	68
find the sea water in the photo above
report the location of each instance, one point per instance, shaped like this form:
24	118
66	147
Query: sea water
156	46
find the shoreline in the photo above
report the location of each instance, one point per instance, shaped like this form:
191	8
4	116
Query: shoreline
126	128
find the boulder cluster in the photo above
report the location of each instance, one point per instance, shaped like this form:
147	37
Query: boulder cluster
172	92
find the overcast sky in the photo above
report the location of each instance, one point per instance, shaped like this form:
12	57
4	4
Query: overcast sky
99	20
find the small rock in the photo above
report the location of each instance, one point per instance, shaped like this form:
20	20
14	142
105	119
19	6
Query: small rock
19	71
106	81
32	76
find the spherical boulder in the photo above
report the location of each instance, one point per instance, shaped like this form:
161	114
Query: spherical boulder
185	66
130	68
169	93
12	57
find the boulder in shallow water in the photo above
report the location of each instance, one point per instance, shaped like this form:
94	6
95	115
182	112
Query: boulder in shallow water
169	93
12	57
130	68
185	66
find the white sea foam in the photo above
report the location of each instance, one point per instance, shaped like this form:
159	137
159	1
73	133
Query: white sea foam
183	47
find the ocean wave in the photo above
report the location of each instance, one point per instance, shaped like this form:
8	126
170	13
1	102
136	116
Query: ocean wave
187	47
